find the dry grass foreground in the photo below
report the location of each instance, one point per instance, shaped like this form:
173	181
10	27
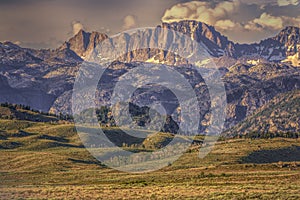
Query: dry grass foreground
47	161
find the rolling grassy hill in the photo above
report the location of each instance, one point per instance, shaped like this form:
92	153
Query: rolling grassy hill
47	160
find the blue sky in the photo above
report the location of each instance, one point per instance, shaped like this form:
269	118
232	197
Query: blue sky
48	23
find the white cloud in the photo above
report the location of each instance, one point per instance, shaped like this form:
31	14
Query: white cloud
287	2
17	42
76	27
201	11
291	21
130	21
268	21
227	25
226	8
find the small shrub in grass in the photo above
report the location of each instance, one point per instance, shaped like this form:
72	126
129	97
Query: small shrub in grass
201	175
223	175
153	196
210	175
280	164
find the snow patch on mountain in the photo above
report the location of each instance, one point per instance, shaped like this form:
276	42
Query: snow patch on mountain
294	60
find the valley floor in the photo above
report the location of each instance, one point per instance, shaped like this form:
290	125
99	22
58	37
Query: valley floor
230	171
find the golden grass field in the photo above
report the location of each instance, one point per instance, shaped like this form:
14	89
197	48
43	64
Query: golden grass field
55	166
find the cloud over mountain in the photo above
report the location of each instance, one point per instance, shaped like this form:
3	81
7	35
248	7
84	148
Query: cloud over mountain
77	26
239	19
226	25
130	21
267	21
201	11
287	2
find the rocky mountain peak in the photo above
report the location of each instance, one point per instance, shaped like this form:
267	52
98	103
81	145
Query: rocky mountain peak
84	42
290	38
205	33
289	30
80	40
8	44
197	30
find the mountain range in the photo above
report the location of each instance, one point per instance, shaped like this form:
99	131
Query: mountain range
283	47
253	73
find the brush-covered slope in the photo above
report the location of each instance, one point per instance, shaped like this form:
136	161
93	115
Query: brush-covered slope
279	117
20	112
23	129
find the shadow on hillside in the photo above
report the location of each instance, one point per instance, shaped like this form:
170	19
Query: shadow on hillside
53	138
2	135
289	154
10	145
87	162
